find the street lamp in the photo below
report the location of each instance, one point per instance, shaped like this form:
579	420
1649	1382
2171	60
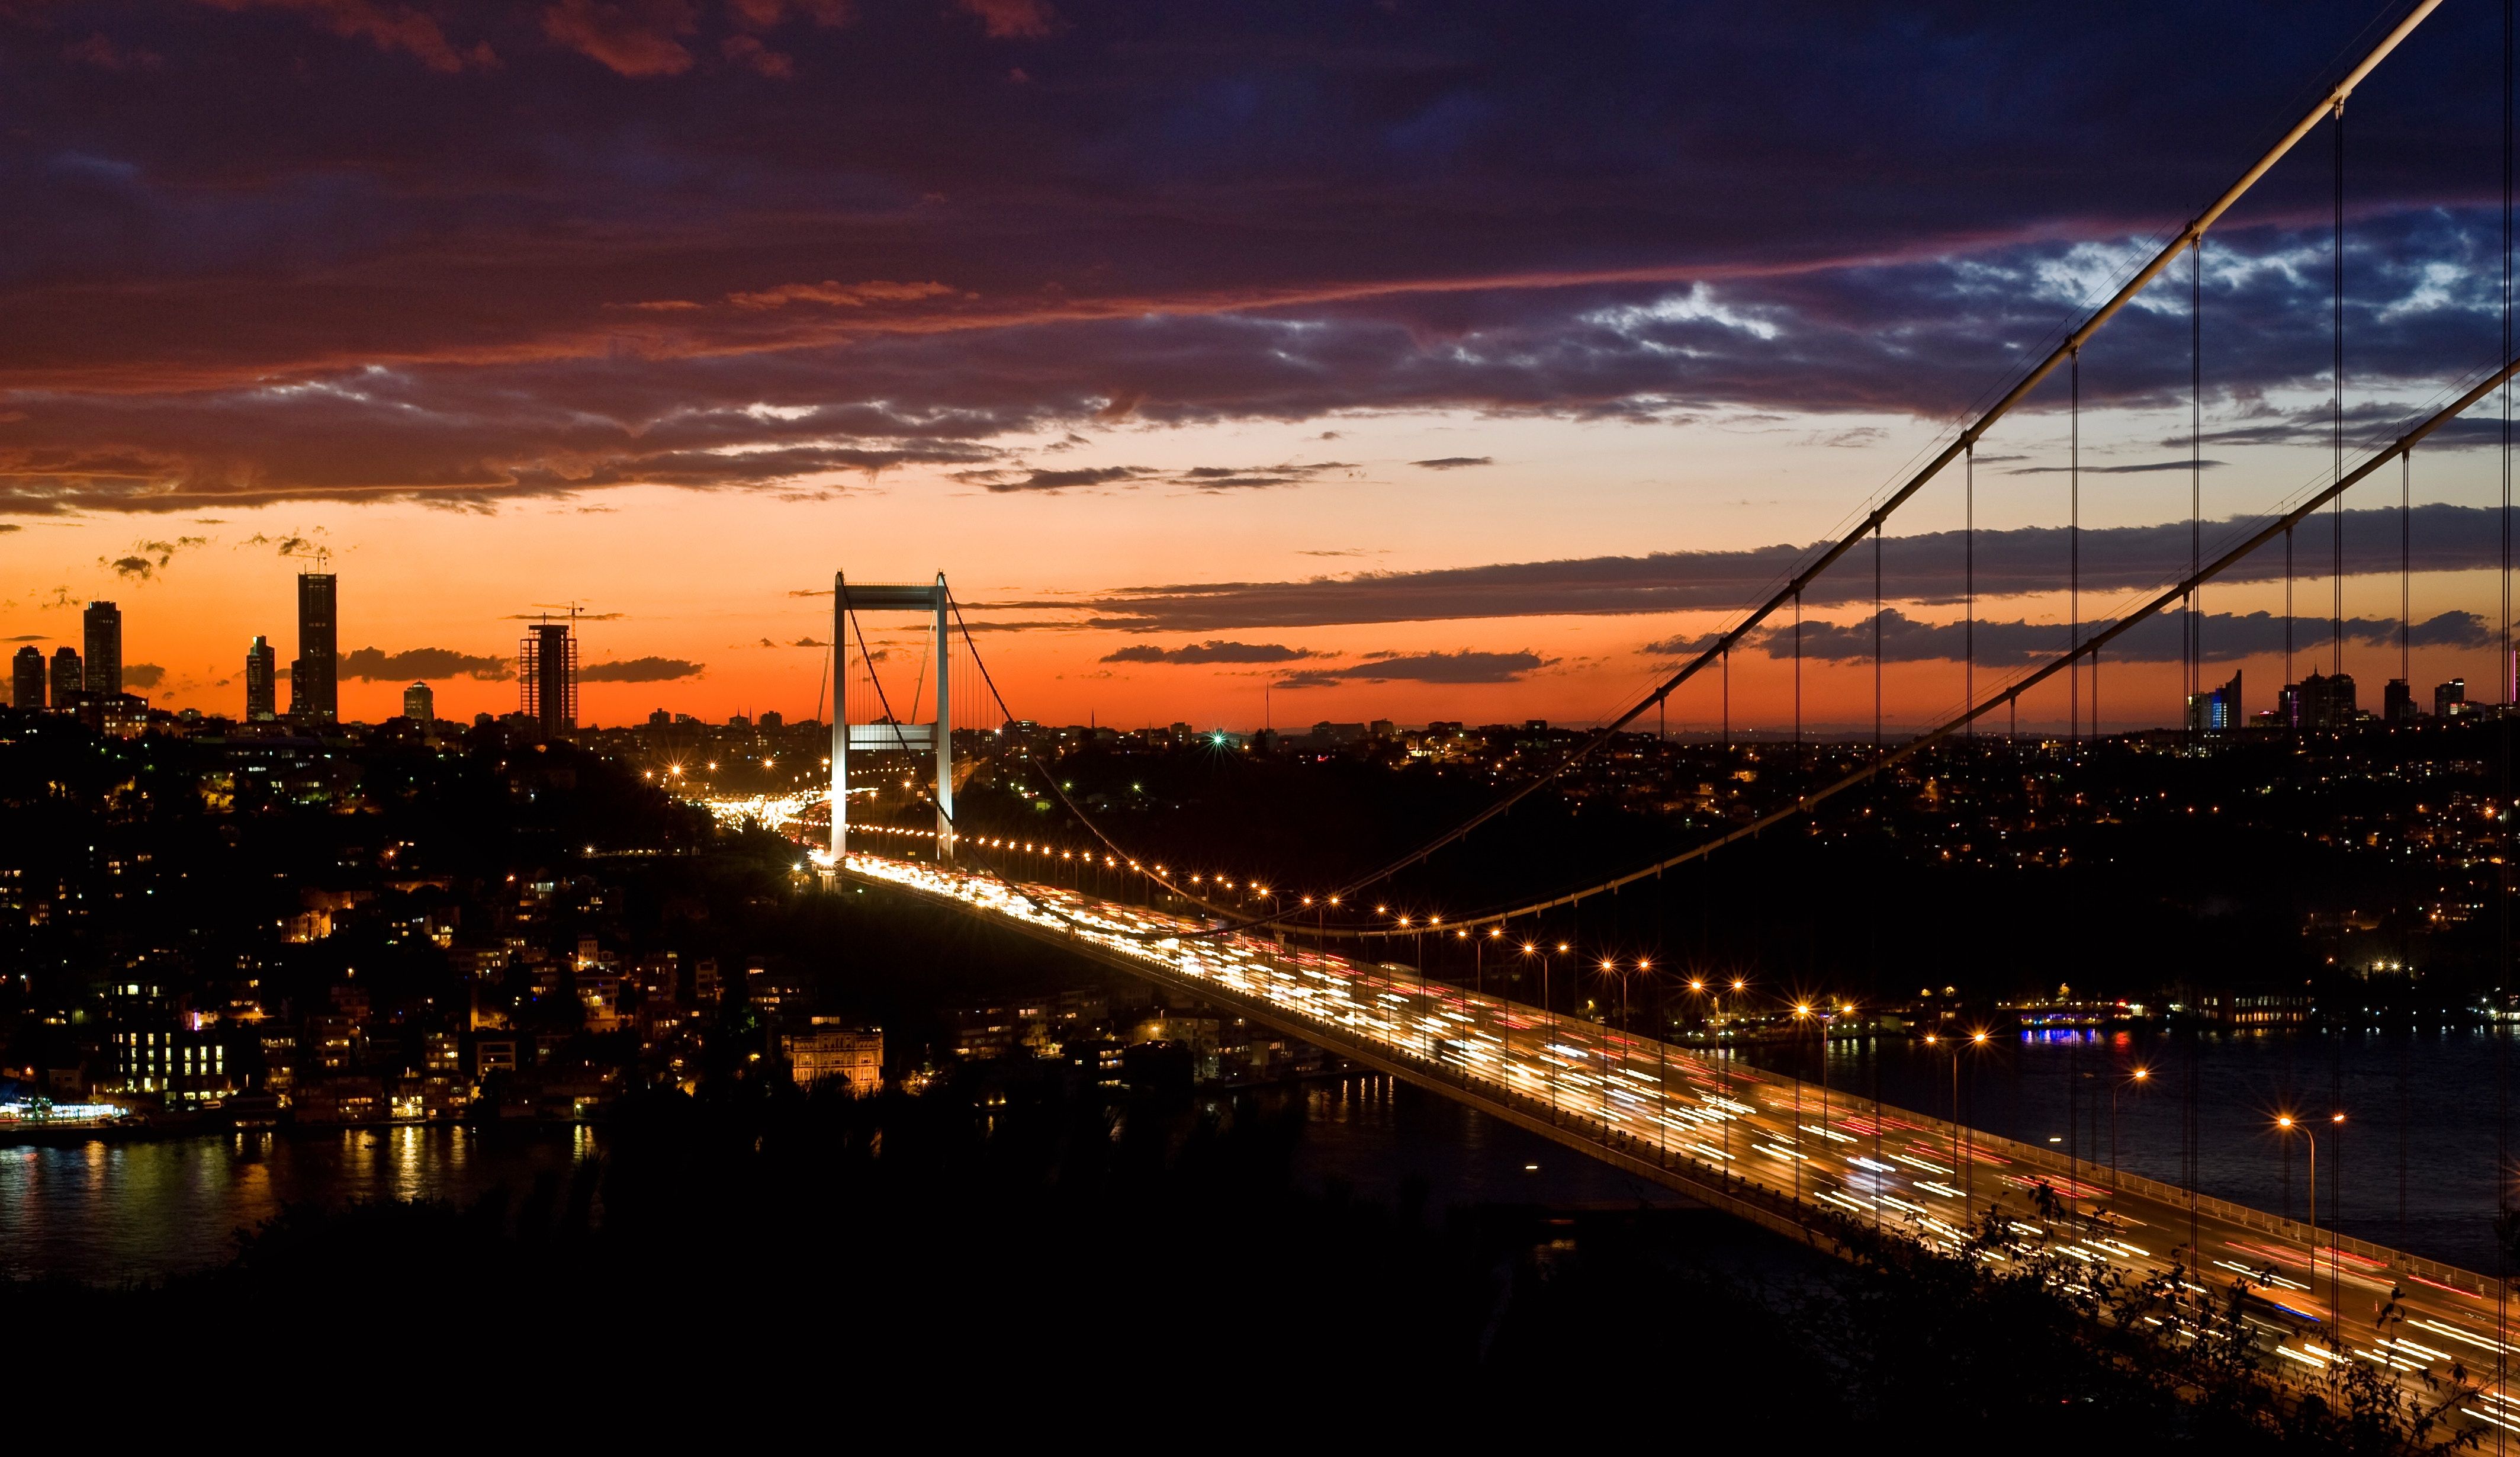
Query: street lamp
2287	1123
2137	1078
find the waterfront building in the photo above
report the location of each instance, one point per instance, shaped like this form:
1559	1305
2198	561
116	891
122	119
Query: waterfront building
830	1048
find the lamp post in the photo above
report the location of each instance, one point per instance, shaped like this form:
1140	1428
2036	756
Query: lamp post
1662	1071
1550	1067
2135	1079
1610	968
1803	1012
2287	1122
1964	1160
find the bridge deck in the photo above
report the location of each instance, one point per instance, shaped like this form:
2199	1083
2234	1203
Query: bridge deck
1769	1148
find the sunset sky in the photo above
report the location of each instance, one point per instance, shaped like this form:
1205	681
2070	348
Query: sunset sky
1390	359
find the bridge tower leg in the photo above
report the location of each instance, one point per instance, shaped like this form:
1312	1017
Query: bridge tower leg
942	736
840	725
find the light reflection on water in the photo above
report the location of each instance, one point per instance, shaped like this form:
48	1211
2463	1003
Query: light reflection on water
105	1212
115	1212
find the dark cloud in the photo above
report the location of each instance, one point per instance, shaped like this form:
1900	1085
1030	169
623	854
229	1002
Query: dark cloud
2017	643
142	675
147	557
639	670
1462	669
1930	567
1212	651
601	240
1202	477
660	241
375	664
1059	480
1454	462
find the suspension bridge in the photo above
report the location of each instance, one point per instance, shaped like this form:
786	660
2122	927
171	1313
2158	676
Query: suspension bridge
1805	1159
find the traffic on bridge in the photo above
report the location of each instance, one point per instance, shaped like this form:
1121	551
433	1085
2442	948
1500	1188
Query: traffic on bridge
1763	1143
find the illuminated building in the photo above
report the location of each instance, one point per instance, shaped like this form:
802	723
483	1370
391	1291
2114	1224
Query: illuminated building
547	679
833	1049
104	623
180	1066
2319	701
2449	700
314	678
2215	712
262	682
420	703
27	692
115	715
69	679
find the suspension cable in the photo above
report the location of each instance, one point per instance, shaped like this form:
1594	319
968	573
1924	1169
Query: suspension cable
2337	423
2011	694
1791	591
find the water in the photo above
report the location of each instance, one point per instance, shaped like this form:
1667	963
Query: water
114	1212
2412	1165
1373	1133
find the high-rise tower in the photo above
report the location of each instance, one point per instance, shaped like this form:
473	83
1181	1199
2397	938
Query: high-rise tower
314	681
68	680
262	682
547	678
27	692
420	703
104	647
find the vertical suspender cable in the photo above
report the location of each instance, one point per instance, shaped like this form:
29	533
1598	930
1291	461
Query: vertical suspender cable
2074	551
2406	567
2336	419
2503	873
1876	638
1798	681
2196	472
1969	578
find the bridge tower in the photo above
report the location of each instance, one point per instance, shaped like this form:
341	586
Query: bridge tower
935	738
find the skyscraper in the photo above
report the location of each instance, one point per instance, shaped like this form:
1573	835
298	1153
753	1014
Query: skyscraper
104	648
262	682
2218	712
547	678
420	703
68	682
314	682
29	690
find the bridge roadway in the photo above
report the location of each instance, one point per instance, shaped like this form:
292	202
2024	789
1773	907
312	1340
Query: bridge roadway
1778	1150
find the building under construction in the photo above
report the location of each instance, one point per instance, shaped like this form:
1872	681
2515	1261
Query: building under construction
547	678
